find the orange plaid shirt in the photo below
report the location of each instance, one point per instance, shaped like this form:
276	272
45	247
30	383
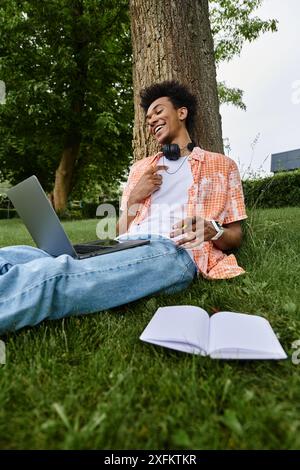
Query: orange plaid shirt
216	194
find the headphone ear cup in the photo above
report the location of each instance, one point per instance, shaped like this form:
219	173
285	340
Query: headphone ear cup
166	150
191	145
171	151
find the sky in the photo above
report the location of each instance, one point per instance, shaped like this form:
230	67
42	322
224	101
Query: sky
268	71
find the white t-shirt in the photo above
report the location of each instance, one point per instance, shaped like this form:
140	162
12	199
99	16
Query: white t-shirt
169	202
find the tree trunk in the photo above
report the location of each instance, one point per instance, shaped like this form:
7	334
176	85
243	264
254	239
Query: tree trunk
64	173
172	39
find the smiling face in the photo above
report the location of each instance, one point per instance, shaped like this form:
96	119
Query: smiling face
165	122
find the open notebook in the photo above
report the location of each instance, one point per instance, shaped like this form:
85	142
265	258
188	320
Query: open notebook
225	335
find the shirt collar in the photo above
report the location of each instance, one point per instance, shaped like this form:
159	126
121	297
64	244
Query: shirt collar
197	154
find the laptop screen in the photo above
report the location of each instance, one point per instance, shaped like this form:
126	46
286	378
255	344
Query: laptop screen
40	218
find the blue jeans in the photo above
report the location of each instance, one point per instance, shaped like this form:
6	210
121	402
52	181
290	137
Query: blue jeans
35	285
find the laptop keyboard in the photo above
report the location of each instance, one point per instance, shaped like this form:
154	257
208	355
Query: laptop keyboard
82	249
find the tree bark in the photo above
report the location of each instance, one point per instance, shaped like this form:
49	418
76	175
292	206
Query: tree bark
64	174
65	171
172	39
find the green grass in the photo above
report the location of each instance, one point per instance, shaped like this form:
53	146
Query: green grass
90	383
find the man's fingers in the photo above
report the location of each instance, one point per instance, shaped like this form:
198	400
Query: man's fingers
188	238
159	167
157	178
191	239
187	222
192	244
178	231
184	223
183	226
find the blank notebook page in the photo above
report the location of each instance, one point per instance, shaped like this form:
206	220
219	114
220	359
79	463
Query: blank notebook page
182	323
238	331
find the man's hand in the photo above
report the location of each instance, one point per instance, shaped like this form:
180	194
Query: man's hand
198	230
147	184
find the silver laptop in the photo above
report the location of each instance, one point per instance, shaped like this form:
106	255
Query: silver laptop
38	215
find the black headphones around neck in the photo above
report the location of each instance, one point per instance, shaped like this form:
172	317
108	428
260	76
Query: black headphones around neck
172	151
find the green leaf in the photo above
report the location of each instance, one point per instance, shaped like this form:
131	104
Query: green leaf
231	421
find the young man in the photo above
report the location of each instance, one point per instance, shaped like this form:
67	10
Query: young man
189	206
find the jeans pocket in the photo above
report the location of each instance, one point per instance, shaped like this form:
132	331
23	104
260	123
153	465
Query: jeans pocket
4	268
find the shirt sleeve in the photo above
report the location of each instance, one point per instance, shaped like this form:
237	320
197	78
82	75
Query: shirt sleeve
131	182
235	205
